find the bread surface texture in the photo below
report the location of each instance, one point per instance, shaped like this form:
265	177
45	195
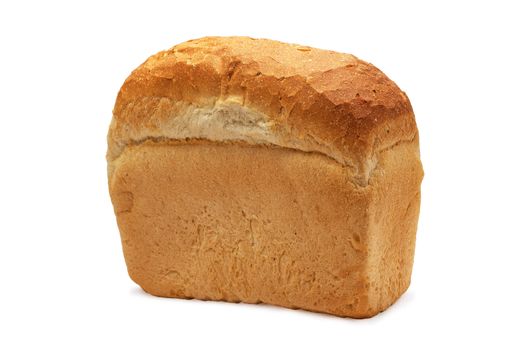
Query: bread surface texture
250	170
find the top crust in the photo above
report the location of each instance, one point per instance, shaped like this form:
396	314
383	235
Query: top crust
264	91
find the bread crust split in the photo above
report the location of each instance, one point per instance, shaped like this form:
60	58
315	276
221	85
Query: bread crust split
250	170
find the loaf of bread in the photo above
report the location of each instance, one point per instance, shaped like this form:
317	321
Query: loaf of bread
250	170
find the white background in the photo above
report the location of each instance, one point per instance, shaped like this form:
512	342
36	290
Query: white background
63	281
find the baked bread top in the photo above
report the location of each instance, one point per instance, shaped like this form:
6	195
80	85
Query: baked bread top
239	89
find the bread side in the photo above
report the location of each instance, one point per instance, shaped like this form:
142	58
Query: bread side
244	223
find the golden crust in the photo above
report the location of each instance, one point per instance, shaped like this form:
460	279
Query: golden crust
316	100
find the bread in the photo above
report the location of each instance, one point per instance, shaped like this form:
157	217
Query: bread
250	170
